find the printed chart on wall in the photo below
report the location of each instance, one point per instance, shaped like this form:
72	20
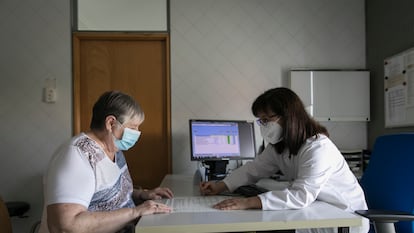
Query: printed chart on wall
399	89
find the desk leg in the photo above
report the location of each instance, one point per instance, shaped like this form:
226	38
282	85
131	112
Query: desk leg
343	229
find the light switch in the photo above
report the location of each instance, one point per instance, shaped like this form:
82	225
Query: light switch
49	91
49	94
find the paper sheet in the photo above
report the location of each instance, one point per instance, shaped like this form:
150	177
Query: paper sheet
194	204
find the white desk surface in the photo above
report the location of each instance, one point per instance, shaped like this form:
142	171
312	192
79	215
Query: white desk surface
317	215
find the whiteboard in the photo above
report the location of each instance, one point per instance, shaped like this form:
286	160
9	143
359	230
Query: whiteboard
399	89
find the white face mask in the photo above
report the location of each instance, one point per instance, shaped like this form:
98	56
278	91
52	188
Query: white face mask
272	132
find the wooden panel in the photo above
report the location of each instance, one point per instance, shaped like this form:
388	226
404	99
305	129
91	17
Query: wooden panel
137	65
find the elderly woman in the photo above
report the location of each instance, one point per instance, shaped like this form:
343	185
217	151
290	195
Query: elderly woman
88	187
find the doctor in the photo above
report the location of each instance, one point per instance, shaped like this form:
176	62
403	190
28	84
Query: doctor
300	148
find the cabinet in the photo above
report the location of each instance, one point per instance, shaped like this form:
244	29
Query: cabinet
333	95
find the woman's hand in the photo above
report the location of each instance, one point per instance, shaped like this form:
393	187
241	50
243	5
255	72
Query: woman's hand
156	194
212	187
151	207
239	204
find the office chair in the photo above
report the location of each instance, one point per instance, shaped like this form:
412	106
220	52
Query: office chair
388	183
5	222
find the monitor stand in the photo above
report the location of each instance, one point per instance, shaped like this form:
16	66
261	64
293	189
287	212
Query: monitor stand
216	169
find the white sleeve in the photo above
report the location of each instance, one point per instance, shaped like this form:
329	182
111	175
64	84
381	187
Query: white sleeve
263	166
313	169
70	178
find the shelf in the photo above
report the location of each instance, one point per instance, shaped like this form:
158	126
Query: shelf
355	161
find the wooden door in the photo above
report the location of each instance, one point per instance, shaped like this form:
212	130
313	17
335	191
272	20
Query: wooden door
137	64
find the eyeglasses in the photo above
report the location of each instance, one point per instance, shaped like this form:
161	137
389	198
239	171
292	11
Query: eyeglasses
264	121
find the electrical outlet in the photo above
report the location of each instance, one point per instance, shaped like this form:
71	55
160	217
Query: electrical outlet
49	94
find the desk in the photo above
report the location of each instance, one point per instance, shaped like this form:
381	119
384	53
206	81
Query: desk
317	215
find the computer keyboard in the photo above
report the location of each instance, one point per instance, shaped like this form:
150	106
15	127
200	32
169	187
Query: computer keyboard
194	203
250	190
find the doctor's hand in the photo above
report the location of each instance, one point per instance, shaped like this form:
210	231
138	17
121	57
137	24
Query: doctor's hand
212	187
239	204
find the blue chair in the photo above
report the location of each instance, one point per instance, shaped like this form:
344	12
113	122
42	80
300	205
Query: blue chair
388	183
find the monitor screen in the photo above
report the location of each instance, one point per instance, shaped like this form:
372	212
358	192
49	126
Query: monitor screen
222	140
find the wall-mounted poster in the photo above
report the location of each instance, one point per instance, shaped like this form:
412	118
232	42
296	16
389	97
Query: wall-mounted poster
399	89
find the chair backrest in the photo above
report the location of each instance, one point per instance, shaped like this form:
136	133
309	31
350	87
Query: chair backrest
388	181
5	222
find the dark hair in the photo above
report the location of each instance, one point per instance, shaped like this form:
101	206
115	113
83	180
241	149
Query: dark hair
296	123
115	103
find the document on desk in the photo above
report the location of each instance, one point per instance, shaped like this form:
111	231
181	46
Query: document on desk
194	203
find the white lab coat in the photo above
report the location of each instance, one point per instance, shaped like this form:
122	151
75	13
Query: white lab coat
318	172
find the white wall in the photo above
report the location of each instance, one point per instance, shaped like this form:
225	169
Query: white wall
223	54
35	44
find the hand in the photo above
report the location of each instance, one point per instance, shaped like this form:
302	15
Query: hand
239	204
151	207
156	194
212	187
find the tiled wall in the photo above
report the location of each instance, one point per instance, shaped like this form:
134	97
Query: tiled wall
226	53
223	54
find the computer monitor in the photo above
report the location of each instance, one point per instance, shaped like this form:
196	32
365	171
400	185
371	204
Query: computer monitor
222	140
215	142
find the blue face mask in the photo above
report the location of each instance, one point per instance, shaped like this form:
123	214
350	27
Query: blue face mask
129	138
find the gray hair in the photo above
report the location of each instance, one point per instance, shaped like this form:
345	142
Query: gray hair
115	103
